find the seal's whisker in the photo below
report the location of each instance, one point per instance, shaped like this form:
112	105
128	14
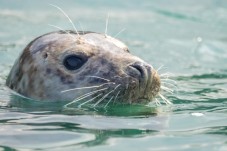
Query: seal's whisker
168	74
122	30
108	102
160	68
165	76
157	102
100	100
96	86
116	96
170	80
164	87
164	99
112	96
107	22
84	96
169	84
81	27
66	17
62	30
88	100
167	89
99	78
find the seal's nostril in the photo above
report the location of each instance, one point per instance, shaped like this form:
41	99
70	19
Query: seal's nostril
139	68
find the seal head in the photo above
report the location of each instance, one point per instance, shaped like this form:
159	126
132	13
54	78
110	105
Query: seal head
65	65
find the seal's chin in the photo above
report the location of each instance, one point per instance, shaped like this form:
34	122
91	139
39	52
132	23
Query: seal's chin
143	100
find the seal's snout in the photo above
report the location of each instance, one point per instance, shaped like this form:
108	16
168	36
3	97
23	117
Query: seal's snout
148	80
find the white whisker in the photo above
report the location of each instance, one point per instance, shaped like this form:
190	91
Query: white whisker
99	78
100	100
84	96
62	30
81	27
112	96
108	102
116	96
90	87
169	80
89	100
107	22
164	99
157	102
167	89
170	84
66	17
160	68
166	74
119	32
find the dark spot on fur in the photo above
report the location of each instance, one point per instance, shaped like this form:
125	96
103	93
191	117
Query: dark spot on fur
48	71
103	61
38	48
96	81
45	55
81	78
64	77
60	73
66	80
106	74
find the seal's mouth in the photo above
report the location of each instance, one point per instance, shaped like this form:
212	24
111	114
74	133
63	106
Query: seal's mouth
122	90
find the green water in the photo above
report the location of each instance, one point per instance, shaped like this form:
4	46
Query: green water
188	37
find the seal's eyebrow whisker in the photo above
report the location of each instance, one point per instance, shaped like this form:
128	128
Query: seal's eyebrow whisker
62	30
164	99
81	27
122	30
99	78
84	96
80	88
107	22
66	17
89	100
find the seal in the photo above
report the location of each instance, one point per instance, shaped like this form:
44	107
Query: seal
89	66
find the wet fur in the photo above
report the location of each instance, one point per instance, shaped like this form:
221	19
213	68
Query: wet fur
39	73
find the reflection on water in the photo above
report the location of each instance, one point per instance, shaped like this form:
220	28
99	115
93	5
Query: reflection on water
187	37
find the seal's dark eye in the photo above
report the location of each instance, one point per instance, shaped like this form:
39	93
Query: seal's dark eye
73	62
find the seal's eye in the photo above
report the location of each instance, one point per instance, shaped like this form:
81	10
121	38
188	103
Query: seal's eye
73	62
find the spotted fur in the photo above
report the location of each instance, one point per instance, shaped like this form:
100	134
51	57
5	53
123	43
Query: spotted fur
39	72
